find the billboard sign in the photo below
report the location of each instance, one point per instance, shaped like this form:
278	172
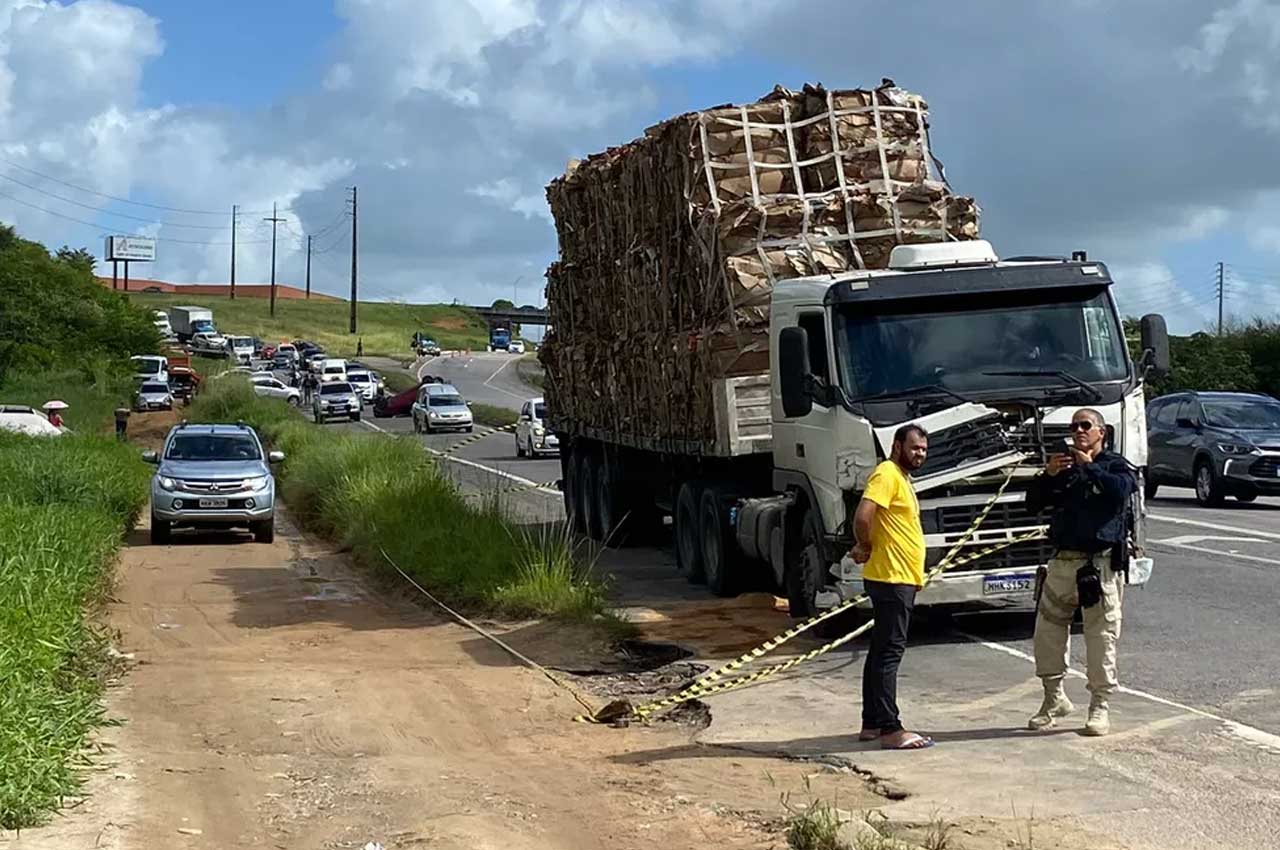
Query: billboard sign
134	248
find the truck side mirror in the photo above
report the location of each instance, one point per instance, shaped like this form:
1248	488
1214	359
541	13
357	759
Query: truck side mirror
1155	345
794	372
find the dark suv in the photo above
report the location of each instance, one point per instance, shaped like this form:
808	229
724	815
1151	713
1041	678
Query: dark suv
1222	444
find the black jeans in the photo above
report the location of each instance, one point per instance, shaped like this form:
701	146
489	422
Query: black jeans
892	604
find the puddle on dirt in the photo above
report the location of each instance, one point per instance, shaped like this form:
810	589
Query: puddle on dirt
716	628
644	670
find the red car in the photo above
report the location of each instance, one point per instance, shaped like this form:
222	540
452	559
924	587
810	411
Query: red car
400	404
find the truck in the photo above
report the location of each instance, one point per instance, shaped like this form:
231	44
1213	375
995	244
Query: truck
240	349
186	322
753	403
499	338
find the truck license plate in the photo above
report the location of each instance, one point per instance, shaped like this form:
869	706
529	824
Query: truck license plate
213	503
1020	583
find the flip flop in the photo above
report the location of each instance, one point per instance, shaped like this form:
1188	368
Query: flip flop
868	734
912	742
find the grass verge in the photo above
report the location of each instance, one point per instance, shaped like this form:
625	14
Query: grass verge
493	416
93	390
530	370
372	493
63	511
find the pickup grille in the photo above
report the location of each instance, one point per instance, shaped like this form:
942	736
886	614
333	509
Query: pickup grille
973	441
189	486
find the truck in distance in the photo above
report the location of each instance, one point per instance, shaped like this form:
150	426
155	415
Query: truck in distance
499	338
186	322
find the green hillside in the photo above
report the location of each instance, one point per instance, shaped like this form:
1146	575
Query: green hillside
385	328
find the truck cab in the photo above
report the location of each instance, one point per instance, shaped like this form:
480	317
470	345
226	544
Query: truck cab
499	339
990	357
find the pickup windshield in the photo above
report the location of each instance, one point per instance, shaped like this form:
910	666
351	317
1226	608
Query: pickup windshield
952	342
213	447
335	389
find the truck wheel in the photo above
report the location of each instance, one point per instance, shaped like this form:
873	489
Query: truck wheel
717	545
688	543
570	469
606	502
161	531
588	473
803	574
265	531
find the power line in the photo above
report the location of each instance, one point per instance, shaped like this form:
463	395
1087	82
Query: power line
105	211
116	198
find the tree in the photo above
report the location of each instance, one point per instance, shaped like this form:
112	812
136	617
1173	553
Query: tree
80	258
502	304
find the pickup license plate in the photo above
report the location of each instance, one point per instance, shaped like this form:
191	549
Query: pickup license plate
1020	583
213	503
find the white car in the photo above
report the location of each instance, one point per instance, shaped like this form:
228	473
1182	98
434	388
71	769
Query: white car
240	349
272	387
333	371
363	382
440	407
25	420
516	346
150	367
532	436
288	349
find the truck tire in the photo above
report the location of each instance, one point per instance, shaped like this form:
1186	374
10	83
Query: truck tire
588	474
807	577
607	505
717	543
687	539
161	531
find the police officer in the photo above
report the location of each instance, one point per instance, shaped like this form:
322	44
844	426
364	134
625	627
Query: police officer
1088	491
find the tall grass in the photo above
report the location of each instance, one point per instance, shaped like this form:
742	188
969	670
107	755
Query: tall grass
63	510
374	493
93	390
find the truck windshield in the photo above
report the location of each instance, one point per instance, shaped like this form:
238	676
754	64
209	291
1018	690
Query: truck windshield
956	342
202	325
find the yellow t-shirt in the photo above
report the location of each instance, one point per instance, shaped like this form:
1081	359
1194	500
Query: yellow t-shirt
897	541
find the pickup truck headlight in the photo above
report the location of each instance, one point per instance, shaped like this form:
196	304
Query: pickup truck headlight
256	484
538	431
167	483
1236	448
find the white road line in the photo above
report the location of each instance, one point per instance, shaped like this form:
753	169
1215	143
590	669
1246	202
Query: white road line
500	389
1248	532
1185	539
462	461
1249	734
1205	549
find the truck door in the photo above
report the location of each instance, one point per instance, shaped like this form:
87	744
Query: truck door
806	444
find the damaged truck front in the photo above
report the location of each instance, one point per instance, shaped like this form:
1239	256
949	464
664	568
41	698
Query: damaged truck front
991	358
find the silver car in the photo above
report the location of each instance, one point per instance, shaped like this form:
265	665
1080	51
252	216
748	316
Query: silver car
153	395
336	399
440	408
213	476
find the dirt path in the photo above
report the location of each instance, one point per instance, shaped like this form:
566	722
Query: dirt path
276	702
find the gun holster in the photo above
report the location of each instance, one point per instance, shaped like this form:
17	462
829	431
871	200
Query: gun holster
1088	585
1042	573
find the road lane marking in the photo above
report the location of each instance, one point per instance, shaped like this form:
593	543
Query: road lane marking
1248	734
1248	532
500	389
462	461
1184	539
1218	552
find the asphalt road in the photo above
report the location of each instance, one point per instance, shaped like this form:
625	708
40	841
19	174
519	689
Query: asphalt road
1199	657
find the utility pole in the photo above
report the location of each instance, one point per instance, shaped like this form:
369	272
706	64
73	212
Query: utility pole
235	210
126	275
275	219
308	267
115	274
1222	291
354	253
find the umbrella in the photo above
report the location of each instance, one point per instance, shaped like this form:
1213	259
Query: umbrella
55	405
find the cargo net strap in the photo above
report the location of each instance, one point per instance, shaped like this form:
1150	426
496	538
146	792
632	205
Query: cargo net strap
885	192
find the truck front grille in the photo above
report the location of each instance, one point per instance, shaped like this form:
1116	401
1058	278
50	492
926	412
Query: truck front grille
956	519
1030	554
973	441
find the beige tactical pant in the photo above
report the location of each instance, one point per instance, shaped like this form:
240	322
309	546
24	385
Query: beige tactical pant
1058	601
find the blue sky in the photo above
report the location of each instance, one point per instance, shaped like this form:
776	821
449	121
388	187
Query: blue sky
1151	143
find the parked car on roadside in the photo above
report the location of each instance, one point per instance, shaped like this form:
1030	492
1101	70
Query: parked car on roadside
270	386
516	346
440	407
336	399
209	344
315	361
153	395
532	436
333	370
1221	444
213	476
22	419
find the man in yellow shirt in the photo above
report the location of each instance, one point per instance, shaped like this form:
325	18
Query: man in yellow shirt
890	545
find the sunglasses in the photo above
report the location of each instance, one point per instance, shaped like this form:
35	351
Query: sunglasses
1083	425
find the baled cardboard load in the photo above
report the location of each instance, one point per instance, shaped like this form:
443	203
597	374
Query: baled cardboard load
670	246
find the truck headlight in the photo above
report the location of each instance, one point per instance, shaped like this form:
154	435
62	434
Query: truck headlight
167	483
1236	448
538	431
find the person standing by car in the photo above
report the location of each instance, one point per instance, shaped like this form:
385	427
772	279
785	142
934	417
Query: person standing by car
55	419
891	548
308	386
1088	490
